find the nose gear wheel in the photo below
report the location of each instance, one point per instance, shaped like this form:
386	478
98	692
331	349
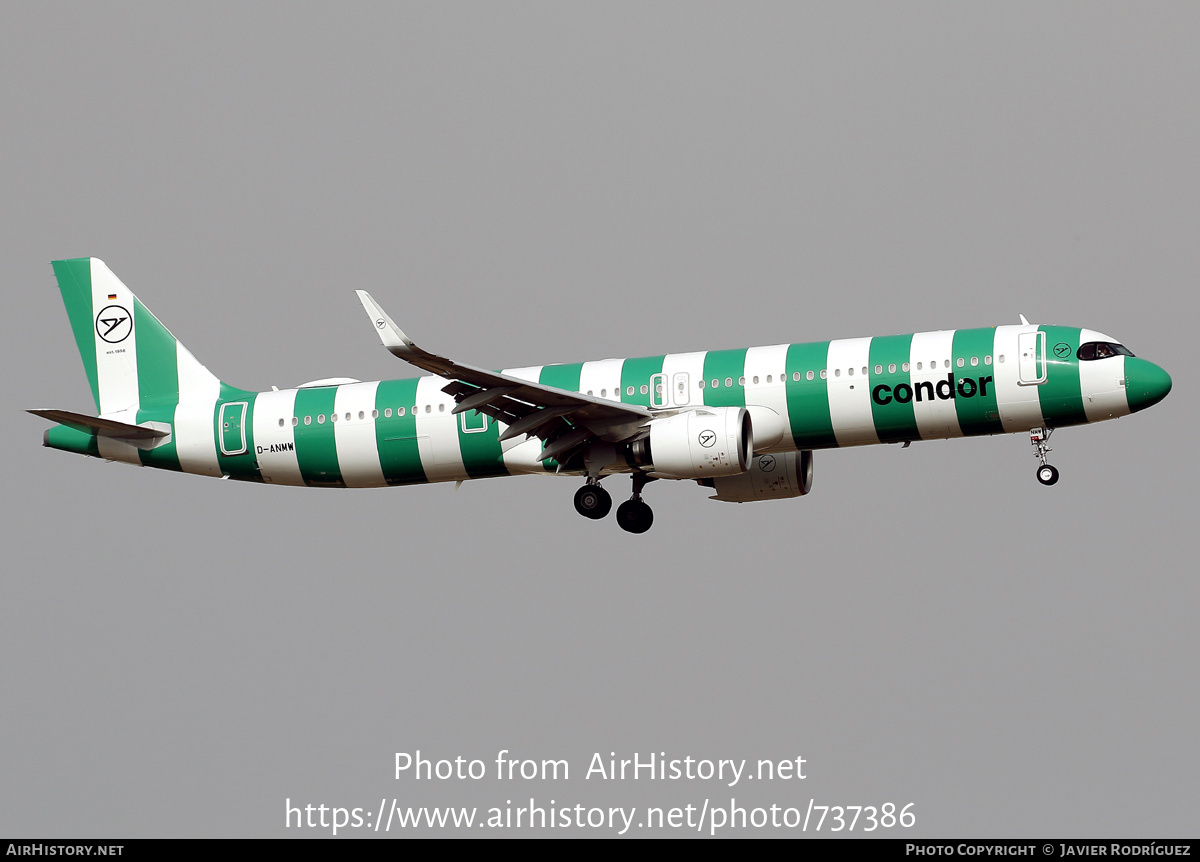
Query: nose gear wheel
1046	474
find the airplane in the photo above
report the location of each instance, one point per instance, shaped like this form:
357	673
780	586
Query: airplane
744	422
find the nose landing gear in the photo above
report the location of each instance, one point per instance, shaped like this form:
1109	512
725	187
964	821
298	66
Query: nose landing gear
634	516
1046	474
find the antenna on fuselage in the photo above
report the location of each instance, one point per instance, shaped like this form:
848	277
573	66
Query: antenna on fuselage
1023	320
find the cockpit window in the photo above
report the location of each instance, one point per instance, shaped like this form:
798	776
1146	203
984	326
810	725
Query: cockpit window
1102	350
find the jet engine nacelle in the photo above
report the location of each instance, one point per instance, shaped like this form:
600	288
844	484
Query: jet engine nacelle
770	477
699	443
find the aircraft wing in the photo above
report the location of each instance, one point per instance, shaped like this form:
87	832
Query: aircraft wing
564	420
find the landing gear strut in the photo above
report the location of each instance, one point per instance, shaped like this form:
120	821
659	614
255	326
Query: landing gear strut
634	516
592	501
1046	474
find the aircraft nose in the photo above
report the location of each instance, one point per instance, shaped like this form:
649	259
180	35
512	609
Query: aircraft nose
1145	383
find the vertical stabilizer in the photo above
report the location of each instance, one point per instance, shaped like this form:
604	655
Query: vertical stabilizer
130	358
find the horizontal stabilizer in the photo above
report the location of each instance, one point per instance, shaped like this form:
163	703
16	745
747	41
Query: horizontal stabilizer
100	427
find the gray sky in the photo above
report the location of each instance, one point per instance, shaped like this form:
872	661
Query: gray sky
531	183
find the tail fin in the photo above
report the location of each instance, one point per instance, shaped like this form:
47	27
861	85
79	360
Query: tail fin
131	359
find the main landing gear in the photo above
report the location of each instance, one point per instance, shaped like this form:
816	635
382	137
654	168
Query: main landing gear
1046	474
592	501
633	516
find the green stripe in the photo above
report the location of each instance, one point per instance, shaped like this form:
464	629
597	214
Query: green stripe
894	420
482	454
637	373
562	376
244	466
722	365
316	451
72	440
808	400
1061	397
396	436
75	285
158	382
977	413
165	455
157	358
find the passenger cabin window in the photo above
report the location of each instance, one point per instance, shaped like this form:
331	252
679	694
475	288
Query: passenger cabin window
1101	350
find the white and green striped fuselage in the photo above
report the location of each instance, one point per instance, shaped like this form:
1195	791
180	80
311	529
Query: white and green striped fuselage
845	392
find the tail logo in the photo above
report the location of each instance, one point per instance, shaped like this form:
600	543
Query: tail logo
114	323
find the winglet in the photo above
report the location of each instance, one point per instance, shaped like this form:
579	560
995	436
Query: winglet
390	334
1023	320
